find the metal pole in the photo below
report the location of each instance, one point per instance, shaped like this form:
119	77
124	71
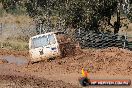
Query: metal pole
0	28
126	9
48	15
1	45
125	39
0	34
40	28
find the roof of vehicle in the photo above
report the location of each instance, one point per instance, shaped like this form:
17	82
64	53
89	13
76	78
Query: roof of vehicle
40	35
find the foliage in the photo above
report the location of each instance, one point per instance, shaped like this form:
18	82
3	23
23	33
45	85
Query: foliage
14	6
74	13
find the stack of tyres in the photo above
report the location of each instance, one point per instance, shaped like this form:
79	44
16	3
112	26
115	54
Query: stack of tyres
105	40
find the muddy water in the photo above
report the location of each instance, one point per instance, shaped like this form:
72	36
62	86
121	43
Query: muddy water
15	60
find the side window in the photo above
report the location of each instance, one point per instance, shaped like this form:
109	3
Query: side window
34	43
44	41
51	39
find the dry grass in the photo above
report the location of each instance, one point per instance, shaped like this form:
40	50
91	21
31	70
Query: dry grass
14	45
129	27
13	42
22	19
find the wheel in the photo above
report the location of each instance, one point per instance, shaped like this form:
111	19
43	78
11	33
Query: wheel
84	82
63	53
30	62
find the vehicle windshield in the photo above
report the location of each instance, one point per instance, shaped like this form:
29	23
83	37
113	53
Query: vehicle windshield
43	41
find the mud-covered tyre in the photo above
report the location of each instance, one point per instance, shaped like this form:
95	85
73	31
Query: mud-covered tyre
63	53
30	62
84	82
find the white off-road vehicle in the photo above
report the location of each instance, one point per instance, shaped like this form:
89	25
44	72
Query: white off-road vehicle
49	45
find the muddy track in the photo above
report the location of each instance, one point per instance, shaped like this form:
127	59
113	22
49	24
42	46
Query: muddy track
112	60
13	52
60	72
11	81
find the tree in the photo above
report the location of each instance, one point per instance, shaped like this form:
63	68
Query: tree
75	13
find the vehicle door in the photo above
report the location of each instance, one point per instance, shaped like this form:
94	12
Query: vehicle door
51	47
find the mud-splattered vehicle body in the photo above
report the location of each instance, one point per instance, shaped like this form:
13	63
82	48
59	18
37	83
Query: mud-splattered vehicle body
50	45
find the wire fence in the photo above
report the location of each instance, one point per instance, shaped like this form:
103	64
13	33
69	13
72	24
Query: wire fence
15	30
89	39
20	32
15	36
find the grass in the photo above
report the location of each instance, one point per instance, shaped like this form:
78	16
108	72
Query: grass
14	45
12	19
129	36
